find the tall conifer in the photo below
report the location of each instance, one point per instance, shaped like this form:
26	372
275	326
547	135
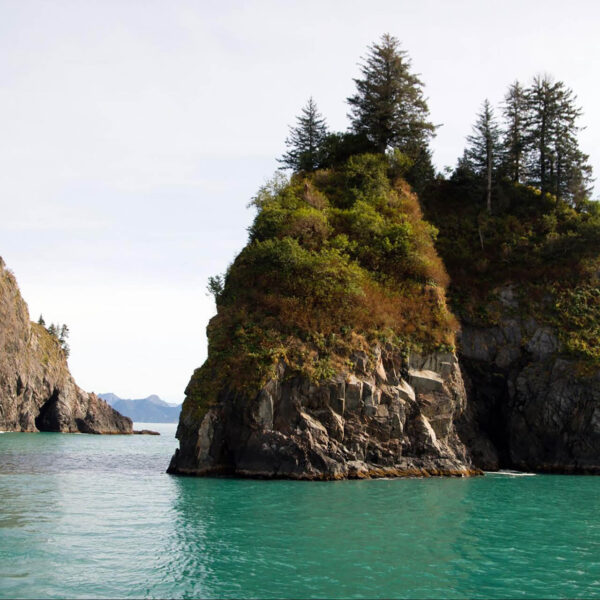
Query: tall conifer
514	110
483	151
389	106
556	163
305	142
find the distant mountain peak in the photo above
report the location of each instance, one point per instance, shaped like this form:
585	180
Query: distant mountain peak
152	409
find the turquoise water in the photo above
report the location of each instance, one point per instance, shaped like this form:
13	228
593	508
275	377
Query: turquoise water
96	516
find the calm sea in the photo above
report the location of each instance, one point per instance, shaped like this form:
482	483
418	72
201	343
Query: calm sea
96	516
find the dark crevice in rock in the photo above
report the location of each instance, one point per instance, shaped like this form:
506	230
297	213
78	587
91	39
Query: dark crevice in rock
47	417
486	435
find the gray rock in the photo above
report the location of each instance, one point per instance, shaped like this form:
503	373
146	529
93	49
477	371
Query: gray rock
383	431
508	297
405	391
543	343
528	407
265	410
425	381
353	393
339	405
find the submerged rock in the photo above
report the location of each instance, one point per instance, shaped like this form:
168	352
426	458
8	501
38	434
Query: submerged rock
37	392
357	425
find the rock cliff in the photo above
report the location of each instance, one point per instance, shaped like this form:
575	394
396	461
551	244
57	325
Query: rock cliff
531	406
360	424
526	289
37	392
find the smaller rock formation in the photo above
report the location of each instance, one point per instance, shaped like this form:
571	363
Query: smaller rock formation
37	392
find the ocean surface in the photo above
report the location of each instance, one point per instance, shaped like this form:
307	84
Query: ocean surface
86	516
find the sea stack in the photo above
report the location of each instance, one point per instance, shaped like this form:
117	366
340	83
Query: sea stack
37	391
332	354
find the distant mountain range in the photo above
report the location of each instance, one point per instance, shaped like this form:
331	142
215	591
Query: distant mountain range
145	410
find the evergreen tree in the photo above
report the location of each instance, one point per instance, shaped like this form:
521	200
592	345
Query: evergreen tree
483	152
556	164
63	334
305	142
41	321
389	106
515	115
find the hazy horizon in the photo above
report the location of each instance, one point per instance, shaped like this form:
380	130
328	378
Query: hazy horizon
136	132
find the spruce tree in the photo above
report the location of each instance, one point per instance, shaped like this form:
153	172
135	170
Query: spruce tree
556	163
483	152
305	142
515	115
389	106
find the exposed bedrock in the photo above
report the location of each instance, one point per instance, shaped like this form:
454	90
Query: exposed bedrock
530	407
396	421
37	392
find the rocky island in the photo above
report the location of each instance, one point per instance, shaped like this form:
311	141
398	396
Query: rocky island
37	391
387	321
307	375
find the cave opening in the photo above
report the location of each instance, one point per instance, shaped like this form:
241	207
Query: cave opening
46	419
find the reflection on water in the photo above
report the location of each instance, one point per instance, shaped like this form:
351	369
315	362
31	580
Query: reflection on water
97	516
329	539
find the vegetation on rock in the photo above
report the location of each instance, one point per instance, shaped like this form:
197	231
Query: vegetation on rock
339	254
336	259
542	245
58	332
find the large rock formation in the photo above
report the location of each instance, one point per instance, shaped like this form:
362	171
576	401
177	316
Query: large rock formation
331	354
341	262
395	420
37	392
530	407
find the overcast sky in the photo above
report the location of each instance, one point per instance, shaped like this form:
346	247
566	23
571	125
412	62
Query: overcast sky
134	133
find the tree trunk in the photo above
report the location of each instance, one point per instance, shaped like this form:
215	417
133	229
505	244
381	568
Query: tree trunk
543	153
489	181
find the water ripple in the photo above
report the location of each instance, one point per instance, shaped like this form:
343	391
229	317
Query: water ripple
97	517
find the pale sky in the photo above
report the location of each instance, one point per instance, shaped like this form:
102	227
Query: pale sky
134	134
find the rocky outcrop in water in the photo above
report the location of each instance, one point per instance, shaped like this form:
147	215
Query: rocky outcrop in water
530	406
397	420
37	392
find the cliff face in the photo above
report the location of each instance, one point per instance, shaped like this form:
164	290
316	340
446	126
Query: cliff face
526	289
37	392
359	424
531	406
